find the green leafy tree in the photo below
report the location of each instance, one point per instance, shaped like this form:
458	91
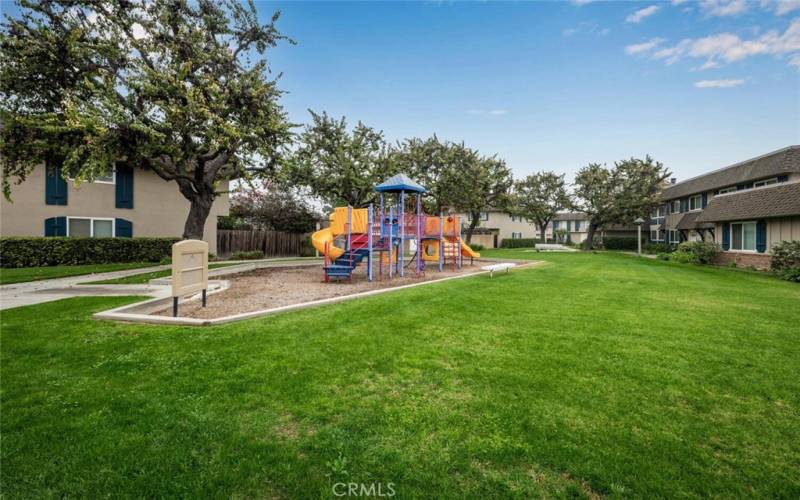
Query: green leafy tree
339	165
618	195
162	85
274	208
539	197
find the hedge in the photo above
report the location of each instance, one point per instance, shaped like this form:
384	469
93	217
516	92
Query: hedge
37	252
519	242
785	260
620	243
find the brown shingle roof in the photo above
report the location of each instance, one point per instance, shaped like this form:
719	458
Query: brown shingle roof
783	161
777	200
689	221
570	216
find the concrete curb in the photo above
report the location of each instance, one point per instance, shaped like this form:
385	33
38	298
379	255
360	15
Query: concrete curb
125	313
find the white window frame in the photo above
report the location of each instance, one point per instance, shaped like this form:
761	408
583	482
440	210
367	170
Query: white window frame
765	182
731	189
113	180
677	236
577	226
91	224
657	238
484	216
699	205
516	236
673	204
730	237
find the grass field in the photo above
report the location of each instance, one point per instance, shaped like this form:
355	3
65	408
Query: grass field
23	274
593	375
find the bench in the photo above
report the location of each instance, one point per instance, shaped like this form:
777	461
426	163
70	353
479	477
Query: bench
498	267
549	247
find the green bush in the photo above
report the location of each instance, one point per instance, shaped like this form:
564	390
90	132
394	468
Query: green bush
663	256
38	252
477	247
307	248
785	260
620	243
519	242
656	248
252	255
695	252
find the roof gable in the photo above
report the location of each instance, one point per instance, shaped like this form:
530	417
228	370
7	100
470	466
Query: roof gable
399	182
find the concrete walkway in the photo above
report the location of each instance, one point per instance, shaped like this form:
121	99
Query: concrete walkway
37	292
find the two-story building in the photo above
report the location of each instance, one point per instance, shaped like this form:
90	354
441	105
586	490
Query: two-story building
746	208
125	203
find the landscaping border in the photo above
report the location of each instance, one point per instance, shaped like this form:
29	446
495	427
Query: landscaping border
134	312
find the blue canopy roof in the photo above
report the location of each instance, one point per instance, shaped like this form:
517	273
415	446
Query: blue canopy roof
397	183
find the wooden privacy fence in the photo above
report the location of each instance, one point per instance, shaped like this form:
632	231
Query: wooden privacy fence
272	243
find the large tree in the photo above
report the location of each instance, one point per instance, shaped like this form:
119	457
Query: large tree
275	208
340	165
620	194
163	85
539	197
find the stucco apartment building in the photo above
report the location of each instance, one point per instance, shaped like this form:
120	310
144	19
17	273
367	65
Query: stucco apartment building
125	203
746	208
497	225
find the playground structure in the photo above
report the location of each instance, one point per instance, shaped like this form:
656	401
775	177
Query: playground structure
358	234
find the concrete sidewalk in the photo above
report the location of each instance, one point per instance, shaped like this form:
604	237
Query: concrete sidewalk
37	292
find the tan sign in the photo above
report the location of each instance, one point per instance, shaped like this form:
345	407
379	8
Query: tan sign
189	267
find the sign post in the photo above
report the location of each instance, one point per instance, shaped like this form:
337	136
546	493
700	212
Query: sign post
189	270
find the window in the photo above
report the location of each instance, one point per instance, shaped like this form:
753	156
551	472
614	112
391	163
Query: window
674	237
696	202
484	215
107	178
577	225
675	207
743	236
513	218
727	190
555	225
88	227
658	213
654	235
516	236
569	223
765	182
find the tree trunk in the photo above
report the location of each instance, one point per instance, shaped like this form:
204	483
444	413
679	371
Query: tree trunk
200	206
542	231
475	218
588	243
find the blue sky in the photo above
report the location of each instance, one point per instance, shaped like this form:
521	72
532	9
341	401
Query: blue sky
554	85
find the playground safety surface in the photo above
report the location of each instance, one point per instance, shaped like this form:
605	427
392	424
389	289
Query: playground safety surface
268	288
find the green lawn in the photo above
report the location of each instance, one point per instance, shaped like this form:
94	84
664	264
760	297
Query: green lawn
596	374
22	274
139	279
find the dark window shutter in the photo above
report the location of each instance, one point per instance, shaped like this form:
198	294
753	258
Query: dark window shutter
726	236
761	236
685	205
55	226
123	228
783	178
55	187
124	187
705	200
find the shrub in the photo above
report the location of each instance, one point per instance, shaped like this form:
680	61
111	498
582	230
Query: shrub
785	255
663	256
785	260
620	243
656	248
36	252
477	247
695	252
519	242
307	248
252	255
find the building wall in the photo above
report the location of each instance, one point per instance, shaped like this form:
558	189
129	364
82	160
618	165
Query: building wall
779	229
506	227
159	209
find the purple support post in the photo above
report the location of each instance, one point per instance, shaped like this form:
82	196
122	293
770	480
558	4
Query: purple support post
349	215
458	240
419	233
391	242
402	233
369	242
441	239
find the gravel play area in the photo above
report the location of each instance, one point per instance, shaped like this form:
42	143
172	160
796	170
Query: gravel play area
275	287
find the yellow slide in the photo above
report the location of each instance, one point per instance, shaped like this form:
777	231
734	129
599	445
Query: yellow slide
466	251
323	236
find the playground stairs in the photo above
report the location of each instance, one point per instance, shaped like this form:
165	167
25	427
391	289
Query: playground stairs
346	263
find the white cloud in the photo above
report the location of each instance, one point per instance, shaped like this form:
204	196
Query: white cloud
717	84
492	112
570	31
475	111
639	48
139	31
640	14
498	112
591	28
728	47
678	2
795	61
722	8
780	7
581	2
